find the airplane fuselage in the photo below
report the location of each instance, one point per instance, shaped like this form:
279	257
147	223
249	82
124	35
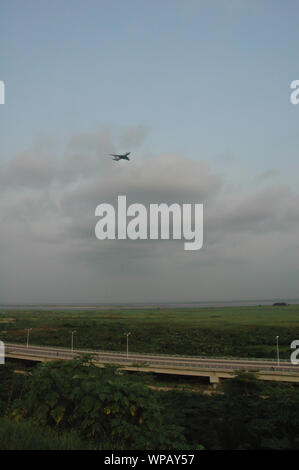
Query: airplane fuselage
121	157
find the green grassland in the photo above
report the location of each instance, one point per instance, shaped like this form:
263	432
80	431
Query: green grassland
220	331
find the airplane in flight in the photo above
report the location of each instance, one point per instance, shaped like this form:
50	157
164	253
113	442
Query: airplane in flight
120	157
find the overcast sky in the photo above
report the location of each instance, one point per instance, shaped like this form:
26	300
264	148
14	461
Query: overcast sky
199	92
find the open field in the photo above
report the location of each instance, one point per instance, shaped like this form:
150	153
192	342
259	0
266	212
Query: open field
220	331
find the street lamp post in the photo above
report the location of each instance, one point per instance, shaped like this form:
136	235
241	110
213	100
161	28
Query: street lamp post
277	348
72	342
127	335
28	333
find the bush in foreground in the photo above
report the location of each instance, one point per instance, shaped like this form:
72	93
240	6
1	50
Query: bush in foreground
100	404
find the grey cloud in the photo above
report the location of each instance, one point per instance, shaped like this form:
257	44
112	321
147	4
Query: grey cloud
47	216
267	174
133	137
28	170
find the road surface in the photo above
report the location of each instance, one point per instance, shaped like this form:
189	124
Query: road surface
50	352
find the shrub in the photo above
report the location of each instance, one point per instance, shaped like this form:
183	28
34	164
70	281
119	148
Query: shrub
99	402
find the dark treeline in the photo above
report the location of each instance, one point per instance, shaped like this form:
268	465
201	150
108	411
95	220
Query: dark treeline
91	408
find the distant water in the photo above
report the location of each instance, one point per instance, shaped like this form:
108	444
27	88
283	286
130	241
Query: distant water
206	304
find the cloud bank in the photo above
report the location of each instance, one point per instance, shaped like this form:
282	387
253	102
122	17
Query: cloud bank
50	252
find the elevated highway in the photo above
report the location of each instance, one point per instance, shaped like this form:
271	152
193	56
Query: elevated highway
213	368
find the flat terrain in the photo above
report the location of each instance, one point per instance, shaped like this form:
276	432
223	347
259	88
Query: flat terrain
220	331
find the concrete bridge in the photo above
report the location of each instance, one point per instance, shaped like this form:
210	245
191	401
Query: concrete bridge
213	368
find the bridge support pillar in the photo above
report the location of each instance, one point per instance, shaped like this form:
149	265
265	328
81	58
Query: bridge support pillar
214	380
